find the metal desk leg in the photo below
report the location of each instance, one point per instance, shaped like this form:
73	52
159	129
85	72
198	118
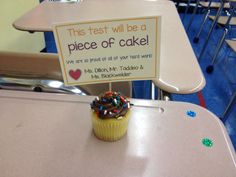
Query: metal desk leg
162	95
177	4
208	10
211	29
196	38
228	108
193	14
210	68
186	10
153	91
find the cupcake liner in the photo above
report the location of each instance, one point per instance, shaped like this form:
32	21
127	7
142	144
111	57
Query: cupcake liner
110	129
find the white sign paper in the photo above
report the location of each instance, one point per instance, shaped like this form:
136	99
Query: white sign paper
109	50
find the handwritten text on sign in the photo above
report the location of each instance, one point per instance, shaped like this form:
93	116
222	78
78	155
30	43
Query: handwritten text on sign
108	51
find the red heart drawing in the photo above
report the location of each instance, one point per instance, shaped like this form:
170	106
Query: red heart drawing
75	74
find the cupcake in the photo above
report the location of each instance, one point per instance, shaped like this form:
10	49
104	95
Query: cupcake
110	116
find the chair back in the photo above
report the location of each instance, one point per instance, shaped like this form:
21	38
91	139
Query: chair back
44	66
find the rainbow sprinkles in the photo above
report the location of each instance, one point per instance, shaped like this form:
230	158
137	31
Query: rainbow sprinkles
110	105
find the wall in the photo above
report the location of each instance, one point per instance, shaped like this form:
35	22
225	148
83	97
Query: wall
12	39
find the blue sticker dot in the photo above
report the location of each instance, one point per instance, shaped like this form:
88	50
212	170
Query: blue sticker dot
191	114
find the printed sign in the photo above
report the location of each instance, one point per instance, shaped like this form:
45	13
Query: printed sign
108	50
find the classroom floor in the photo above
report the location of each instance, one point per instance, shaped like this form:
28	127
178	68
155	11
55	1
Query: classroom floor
221	84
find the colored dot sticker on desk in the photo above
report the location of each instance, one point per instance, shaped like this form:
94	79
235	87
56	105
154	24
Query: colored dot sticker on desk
191	114
207	142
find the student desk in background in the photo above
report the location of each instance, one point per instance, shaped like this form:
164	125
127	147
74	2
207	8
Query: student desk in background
179	71
50	135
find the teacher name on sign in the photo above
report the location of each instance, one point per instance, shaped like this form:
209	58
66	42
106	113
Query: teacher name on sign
134	41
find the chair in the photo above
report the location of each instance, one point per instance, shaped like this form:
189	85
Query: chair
226	29
42	72
207	6
227	22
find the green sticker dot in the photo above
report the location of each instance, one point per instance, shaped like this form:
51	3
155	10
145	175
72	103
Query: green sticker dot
207	142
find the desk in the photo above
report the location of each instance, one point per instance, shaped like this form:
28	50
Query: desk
179	71
50	135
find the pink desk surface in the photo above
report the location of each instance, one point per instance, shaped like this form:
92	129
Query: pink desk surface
50	135
179	71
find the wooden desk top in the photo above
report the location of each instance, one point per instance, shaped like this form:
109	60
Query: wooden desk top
179	70
50	135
